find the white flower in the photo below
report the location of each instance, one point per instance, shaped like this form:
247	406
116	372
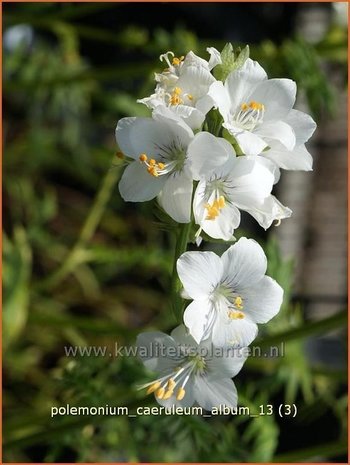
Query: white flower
228	184
184	85
230	293
256	109
189	372
299	158
159	147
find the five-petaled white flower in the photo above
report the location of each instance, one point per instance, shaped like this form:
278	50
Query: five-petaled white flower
159	147
183	86
231	293
190	372
257	110
228	184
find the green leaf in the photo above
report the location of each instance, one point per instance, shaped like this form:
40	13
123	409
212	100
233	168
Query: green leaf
231	60
17	270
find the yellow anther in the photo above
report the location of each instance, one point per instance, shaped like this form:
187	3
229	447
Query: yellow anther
119	155
153	387
152	162
161	166
160	393
153	171
175	99
221	202
238	302
168	394
215	207
171	384
177	60
143	157
244	107
190	96
177	90
180	393
256	105
233	315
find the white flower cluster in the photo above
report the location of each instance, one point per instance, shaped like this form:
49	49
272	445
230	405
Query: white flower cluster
207	176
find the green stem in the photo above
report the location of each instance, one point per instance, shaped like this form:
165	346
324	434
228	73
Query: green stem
180	248
233	141
308	329
76	256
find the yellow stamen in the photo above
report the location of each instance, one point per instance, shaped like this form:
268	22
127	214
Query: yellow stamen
153	387
152	162
215	207
221	202
168	394
177	90
161	166
253	105
153	171
175	99
160	393
177	60
190	96
180	393
171	384
233	315
143	157
238	302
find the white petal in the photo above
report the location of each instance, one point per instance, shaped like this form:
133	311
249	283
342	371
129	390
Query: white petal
251	181
211	394
152	346
221	227
215	57
303	125
138	135
193	60
176	197
241	82
297	159
221	98
174	127
198	317
250	143
244	264
195	80
204	104
277	130
269	211
206	152
263	300
236	333
191	116
181	336
199	272
277	95
226	361
137	185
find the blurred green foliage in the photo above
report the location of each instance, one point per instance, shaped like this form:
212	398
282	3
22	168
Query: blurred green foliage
81	267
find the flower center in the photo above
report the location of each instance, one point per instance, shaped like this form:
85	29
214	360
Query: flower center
249	115
214	208
174	383
172	159
234	302
176	97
